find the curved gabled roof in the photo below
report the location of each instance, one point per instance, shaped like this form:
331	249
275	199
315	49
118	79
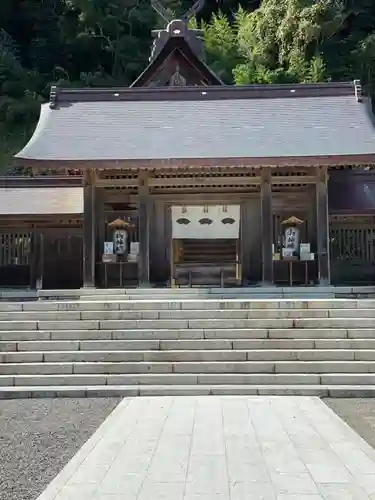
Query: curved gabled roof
266	123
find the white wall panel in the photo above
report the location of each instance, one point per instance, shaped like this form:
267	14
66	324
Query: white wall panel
206	222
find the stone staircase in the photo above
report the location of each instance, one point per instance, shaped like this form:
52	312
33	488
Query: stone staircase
168	342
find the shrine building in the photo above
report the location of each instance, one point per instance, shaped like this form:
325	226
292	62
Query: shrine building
180	180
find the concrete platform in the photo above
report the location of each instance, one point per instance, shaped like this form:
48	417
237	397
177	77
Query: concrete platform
237	448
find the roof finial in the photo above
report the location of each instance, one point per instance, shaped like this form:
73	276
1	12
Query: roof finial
193	11
162	11
177	27
169	16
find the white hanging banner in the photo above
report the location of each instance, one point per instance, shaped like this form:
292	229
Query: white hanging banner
206	222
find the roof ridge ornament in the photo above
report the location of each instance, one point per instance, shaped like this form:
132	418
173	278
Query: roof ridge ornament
167	15
162	11
177	27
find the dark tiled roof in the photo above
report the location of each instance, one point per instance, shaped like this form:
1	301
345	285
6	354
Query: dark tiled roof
41	200
270	121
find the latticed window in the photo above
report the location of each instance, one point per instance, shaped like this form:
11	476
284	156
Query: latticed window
353	243
14	248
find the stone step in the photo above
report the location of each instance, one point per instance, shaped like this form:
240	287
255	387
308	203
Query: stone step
185	293
188	355
318	367
212	379
182	345
181	304
189	334
183	315
201	291
6	294
178	324
140	343
194	390
158	379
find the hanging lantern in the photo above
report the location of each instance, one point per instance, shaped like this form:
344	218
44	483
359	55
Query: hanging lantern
292	233
120	235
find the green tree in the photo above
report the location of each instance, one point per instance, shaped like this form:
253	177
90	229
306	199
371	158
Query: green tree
107	42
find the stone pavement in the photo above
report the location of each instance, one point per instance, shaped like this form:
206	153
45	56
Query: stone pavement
222	448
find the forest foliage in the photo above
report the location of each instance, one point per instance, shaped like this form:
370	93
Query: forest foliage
107	42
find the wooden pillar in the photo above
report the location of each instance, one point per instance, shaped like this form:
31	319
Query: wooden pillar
89	233
40	274
143	230
159	271
322	225
36	264
245	240
267	226
100	236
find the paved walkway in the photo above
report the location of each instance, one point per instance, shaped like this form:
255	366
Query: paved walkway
222	448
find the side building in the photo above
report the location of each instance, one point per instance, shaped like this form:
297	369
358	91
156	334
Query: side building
180	180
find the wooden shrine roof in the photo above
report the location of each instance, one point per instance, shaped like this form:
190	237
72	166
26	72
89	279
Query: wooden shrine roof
301	124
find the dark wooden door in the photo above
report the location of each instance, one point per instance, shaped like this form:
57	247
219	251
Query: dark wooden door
62	261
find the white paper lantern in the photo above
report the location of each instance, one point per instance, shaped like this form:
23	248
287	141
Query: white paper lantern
120	241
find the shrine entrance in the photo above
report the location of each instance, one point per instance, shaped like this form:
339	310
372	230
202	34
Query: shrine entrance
205	245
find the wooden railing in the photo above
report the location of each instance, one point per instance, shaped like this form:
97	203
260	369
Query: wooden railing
15	255
352	245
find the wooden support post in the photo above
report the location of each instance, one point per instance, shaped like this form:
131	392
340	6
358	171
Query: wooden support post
245	243
158	245
143	230
89	229
322	224
40	266
36	264
100	236
267	226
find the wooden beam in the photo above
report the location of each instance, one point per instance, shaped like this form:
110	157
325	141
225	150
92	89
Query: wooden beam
89	229
203	181
267	226
323	258
196	198
293	179
116	183
144	230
